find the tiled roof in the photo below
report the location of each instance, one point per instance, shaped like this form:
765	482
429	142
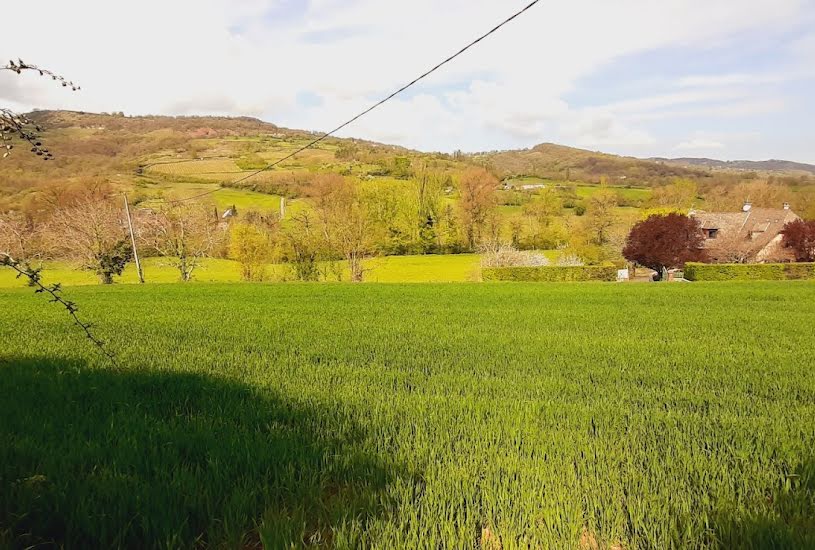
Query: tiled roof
754	229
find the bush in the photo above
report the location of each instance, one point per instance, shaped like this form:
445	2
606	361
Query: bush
749	272
252	161
249	245
504	255
551	274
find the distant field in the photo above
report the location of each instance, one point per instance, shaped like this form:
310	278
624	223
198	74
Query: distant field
197	167
224	198
389	269
507	416
631	193
585	190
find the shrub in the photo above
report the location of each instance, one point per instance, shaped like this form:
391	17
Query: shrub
749	272
249	245
252	161
505	255
570	260
113	261
551	274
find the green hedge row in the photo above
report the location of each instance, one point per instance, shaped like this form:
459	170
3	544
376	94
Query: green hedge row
749	272
551	274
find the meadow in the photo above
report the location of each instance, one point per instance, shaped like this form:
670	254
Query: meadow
492	416
386	269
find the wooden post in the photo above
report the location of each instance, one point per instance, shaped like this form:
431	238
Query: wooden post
133	240
282	207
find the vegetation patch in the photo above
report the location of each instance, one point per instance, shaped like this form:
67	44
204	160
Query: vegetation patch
551	274
749	272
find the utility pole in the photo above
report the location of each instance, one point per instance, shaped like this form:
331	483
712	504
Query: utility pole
282	207
133	240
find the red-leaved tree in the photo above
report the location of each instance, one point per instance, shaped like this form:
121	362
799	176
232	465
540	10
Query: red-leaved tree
665	241
799	236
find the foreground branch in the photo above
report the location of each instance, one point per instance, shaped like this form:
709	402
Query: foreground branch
54	291
20	126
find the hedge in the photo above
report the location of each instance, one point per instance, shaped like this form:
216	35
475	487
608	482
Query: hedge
749	272
551	274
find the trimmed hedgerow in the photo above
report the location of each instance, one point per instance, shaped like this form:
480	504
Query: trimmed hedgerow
749	272
552	274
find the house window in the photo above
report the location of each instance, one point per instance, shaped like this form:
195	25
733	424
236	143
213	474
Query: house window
712	233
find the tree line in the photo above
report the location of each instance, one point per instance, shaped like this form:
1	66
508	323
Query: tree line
348	221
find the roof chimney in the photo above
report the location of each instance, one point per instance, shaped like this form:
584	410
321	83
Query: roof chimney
747	206
786	206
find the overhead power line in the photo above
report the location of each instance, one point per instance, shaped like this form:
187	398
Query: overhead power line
374	106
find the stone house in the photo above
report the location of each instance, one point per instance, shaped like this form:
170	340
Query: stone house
750	236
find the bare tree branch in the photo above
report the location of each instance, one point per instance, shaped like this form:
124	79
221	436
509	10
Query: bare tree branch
16	125
55	292
13	125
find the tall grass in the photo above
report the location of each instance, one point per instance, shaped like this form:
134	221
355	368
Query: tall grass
405	416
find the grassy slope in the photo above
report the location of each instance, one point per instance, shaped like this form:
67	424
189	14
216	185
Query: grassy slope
407	416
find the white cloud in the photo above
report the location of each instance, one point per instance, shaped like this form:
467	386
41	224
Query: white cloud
254	57
699	144
663	101
734	79
739	108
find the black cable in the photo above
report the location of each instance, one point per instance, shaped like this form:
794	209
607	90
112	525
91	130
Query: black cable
372	107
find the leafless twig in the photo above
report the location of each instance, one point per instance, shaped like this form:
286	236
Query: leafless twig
16	125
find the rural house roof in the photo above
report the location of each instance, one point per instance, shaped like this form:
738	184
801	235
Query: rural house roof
757	231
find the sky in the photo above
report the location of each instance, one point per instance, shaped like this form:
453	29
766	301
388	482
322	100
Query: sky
729	79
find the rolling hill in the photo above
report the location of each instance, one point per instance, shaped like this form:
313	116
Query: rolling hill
768	166
157	155
549	160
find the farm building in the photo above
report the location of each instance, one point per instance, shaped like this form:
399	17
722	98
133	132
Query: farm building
750	236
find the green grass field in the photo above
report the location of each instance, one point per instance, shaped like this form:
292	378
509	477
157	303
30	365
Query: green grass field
387	269
505	416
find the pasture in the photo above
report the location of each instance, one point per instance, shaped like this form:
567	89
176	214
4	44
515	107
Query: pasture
497	416
386	269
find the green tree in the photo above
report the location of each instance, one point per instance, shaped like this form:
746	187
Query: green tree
680	195
428	190
543	207
600	215
477	188
303	247
343	213
250	246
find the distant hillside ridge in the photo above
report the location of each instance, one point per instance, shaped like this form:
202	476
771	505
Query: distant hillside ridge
772	165
127	151
51	119
550	160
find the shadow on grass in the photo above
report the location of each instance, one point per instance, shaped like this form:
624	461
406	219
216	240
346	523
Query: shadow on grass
786	519
103	459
